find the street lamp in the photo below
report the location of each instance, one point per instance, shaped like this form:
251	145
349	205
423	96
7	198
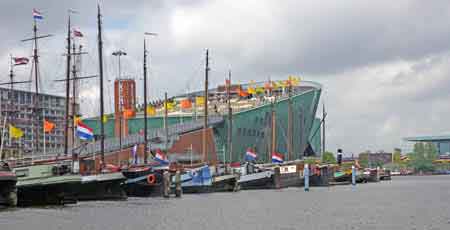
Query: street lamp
118	54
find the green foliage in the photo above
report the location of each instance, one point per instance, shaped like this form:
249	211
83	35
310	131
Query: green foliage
328	158
364	160
422	157
397	156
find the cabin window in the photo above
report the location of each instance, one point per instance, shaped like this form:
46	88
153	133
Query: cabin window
22	172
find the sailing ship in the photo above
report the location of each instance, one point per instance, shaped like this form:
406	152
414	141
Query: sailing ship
8	190
105	184
47	184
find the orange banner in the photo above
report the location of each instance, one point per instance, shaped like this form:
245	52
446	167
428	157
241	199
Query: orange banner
48	126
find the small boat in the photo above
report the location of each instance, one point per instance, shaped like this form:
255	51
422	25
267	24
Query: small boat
144	180
8	190
201	180
103	186
46	185
290	176
196	180
253	177
385	174
372	175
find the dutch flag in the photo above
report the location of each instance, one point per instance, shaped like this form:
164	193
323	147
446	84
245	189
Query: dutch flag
84	132
277	158
37	15
250	155
161	157
20	60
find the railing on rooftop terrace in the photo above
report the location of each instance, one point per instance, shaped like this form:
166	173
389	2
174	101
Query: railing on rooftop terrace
222	107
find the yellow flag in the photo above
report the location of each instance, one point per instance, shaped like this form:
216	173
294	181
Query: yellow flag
15	132
170	105
105	119
76	120
199	100
151	111
259	90
251	90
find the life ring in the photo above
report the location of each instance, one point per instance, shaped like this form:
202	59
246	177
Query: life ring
151	179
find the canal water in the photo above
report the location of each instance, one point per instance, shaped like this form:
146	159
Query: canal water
421	202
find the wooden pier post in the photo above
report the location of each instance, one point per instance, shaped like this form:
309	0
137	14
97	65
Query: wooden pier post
178	189
306	175
353	175
237	187
166	184
276	177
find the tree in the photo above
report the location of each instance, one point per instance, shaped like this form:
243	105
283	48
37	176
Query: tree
422	157
364	159
397	156
328	158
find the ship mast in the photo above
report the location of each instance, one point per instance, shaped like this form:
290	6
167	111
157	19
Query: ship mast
324	114
36	79
230	119
145	99
273	144
290	126
100	63
205	121
66	119
9	113
166	117
145	104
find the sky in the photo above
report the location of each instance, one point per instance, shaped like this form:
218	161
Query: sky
384	66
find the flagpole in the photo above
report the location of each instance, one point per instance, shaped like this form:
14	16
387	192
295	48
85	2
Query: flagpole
66	120
3	135
43	116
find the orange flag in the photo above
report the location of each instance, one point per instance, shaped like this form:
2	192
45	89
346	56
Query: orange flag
186	104
128	113
48	126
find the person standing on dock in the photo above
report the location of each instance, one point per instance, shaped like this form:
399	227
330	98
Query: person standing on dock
339	156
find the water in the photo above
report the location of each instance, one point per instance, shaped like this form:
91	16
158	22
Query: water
403	203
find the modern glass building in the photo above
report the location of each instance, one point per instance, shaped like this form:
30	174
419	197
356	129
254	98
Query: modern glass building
442	143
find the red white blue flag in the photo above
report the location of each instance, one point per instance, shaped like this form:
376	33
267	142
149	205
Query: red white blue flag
20	60
37	15
250	155
277	158
84	132
161	157
77	33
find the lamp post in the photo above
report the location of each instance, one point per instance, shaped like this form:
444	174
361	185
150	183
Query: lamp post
145	96
118	54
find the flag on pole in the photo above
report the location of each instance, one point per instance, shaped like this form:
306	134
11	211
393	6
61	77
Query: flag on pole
37	15
20	60
250	155
161	157
48	126
84	132
186	104
76	120
77	33
199	100
277	158
15	132
151	111
105	118
134	154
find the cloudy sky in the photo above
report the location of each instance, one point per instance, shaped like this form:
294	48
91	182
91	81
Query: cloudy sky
384	65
